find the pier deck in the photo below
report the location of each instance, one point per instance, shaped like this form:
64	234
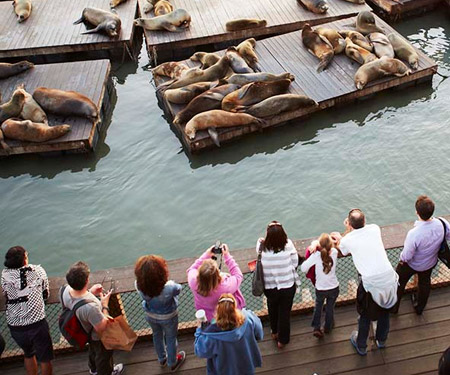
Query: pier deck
90	78
50	29
209	18
395	10
333	86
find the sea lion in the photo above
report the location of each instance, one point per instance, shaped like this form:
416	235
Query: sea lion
115	3
22	8
243	79
318	45
254	93
211	99
244	24
31	110
384	66
3	144
237	62
176	21
149	5
185	94
357	38
217	118
357	53
277	104
336	40
315	6
404	50
381	45
9	70
365	23
103	20
205	58
247	50
65	103
29	131
13	107
171	69
162	7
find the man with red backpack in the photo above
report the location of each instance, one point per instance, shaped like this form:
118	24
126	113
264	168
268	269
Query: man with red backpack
91	315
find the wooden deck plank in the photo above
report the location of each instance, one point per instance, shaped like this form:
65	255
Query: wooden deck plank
50	29
398	9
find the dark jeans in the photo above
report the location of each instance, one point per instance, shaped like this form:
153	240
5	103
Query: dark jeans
279	303
364	326
100	359
2	344
330	296
423	289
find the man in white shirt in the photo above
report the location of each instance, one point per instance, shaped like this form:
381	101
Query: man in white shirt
377	290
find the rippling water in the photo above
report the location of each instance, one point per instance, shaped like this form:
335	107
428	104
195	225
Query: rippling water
141	193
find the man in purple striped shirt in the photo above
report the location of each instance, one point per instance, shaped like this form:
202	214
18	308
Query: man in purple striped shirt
420	253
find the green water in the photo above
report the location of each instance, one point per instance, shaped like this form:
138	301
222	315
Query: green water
141	193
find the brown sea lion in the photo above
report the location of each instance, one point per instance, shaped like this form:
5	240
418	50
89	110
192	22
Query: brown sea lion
23	9
205	58
244	24
336	40
254	93
65	103
211	99
3	144
29	131
149	5
9	70
247	50
176	21
243	79
217	118
404	50
162	7
357	53
115	3
31	110
171	69
237	62
185	94
384	66
381	45
277	104
103	20
357	38
315	6
318	46
13	107
365	23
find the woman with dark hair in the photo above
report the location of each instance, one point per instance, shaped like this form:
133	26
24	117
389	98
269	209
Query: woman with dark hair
160	303
26	288
230	344
279	260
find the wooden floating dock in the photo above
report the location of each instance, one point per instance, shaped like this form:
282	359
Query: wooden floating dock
334	86
90	78
395	10
209	18
50	29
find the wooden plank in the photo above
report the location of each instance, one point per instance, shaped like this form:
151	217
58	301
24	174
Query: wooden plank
335	85
50	29
395	10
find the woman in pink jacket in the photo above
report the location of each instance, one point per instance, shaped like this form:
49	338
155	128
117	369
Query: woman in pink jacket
208	283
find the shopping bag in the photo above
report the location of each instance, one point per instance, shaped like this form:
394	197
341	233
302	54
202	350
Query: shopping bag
118	335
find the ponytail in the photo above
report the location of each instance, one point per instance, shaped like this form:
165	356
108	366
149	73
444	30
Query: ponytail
326	244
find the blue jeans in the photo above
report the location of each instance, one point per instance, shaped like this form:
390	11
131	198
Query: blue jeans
165	337
364	326
330	296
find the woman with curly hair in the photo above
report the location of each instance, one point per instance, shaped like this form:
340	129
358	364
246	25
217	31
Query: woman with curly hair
160	303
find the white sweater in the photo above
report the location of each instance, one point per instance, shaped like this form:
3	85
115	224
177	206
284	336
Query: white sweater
323	281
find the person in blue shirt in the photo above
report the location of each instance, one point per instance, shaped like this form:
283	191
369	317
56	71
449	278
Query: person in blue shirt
229	343
160	302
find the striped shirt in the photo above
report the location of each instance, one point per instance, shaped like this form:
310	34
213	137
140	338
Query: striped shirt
279	268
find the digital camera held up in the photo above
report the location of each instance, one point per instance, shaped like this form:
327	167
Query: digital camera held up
217	249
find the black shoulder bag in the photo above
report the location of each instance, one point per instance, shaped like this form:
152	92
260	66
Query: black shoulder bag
258	276
444	251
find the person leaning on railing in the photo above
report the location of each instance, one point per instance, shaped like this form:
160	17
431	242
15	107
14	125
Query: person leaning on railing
208	283
26	288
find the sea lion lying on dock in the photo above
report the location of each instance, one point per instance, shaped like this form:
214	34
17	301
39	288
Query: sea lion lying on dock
185	94
149	5
13	107
115	3
237	62
29	131
404	50
176	21
9	70
365	23
247	50
254	93
244	24
3	144
31	110
211	99
357	38
65	103
103	20
336	39
162	7
382	67
381	45
318	46
357	53
23	9
277	104
171	69
315	6
243	79
206	59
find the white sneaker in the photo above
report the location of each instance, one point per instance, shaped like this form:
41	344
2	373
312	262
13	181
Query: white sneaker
92	372
118	369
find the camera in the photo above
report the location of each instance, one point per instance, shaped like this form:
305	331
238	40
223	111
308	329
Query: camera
217	249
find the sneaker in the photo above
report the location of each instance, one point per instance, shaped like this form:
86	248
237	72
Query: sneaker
353	338
118	369
181	356
318	333
414	303
163	363
380	344
92	372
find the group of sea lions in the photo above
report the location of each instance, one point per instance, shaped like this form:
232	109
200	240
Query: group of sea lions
321	6
227	91
367	44
24	116
165	17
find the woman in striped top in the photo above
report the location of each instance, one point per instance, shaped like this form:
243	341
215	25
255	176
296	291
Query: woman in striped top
279	260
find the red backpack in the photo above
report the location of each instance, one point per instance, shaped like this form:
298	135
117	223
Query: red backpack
70	325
